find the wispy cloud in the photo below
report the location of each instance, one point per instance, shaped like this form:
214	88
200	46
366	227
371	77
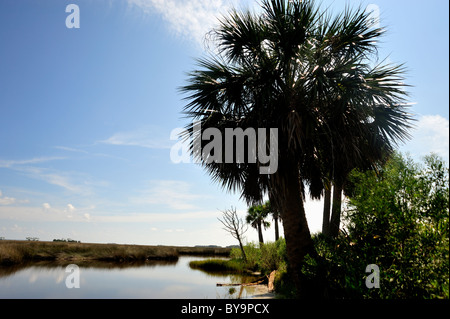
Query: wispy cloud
36	160
71	149
88	154
173	194
71	181
188	19
28	168
74	182
152	218
151	137
50	213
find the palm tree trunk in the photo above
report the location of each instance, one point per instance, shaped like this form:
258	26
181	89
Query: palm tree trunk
260	234
336	211
326	211
277	232
296	231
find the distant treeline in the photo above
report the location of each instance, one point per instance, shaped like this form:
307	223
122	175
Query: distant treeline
68	240
216	246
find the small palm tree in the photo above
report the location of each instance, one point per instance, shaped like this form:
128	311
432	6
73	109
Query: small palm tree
256	216
269	209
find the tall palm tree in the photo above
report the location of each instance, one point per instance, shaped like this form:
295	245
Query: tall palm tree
357	142
305	73
369	150
256	216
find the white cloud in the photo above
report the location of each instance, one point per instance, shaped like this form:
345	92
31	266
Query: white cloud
174	194
62	181
70	213
431	135
46	213
36	160
152	218
189	19
5	200
74	182
71	149
152	137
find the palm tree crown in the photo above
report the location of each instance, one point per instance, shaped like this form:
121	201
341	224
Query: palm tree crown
256	216
307	74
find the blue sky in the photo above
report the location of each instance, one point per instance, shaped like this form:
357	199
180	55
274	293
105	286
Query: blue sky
86	115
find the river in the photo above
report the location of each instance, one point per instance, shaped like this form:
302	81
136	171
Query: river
149	280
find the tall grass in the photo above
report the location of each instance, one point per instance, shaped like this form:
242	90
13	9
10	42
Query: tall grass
270	256
13	252
217	265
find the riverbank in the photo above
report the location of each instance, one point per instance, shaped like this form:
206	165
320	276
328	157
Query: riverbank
16	252
263	286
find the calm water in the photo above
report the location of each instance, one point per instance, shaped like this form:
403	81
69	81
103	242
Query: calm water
152	280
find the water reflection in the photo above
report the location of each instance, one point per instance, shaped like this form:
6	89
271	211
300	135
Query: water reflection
10	270
150	279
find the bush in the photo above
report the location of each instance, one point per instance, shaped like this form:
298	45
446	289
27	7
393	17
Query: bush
253	254
271	256
398	220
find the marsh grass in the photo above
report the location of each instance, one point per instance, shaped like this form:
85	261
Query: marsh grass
15	252
270	256
218	265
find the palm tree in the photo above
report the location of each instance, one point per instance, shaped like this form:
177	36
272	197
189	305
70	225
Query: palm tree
358	143
267	207
295	69
256	216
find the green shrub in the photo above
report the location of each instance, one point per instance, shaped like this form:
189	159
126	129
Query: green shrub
271	256
398	220
253	254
